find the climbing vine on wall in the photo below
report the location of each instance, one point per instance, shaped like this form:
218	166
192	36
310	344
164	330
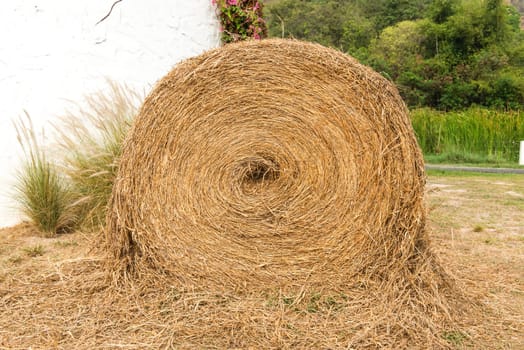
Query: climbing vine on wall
240	20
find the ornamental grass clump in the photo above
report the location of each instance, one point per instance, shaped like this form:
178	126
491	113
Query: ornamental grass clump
42	193
90	139
71	191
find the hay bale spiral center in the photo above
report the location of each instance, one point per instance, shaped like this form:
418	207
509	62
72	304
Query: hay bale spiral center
269	163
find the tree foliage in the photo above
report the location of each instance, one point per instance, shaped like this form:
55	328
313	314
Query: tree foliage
447	54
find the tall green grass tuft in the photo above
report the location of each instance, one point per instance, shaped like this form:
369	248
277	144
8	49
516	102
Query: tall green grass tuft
475	135
43	195
91	138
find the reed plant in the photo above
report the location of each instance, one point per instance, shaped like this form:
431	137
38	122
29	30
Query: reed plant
43	195
476	135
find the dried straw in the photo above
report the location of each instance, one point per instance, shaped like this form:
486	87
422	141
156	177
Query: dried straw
284	168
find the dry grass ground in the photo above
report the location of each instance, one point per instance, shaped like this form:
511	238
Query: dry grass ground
54	293
477	223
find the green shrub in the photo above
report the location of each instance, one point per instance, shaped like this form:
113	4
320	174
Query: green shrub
240	19
505	93
458	95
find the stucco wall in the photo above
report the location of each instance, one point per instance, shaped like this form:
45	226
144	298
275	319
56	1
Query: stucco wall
52	53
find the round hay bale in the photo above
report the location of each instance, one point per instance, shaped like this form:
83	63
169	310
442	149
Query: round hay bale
270	163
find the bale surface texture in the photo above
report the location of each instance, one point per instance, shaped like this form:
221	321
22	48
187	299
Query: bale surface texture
267	164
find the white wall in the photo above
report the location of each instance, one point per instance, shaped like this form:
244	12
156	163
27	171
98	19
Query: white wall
52	53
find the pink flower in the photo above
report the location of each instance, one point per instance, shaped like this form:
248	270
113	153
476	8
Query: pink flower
256	7
232	2
214	2
256	36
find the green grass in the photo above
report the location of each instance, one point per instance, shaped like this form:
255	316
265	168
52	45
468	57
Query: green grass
466	174
469	160
74	189
34	251
473	136
455	337
478	228
42	194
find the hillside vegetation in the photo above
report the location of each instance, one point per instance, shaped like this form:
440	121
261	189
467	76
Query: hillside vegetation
444	54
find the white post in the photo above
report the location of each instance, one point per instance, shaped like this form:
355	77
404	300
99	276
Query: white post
521	158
